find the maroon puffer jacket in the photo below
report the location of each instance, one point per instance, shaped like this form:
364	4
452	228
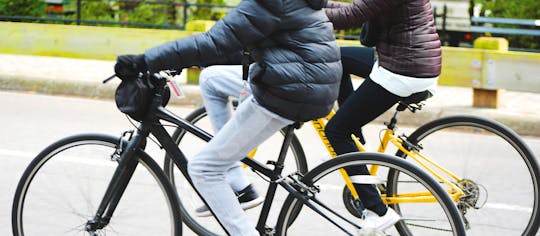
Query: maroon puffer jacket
409	44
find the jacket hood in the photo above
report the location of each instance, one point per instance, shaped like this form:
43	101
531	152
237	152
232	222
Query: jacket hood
317	4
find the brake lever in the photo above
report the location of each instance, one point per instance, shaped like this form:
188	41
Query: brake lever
112	77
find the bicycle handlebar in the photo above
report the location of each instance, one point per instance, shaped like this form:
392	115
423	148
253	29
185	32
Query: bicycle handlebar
169	73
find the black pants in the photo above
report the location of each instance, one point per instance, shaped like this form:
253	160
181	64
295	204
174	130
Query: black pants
356	110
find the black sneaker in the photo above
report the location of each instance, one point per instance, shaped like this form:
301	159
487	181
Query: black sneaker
247	197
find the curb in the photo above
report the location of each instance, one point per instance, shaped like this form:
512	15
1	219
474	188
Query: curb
92	90
522	124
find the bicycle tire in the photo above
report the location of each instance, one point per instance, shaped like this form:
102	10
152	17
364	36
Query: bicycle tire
191	221
328	179
71	202
503	212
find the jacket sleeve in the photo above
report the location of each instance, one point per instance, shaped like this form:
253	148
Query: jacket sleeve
249	23
350	15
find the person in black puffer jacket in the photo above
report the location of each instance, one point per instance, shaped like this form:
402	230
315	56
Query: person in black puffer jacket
295	77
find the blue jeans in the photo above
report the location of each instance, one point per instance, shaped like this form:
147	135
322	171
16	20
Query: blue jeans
251	125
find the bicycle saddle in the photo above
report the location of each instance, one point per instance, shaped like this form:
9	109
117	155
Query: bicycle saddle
414	100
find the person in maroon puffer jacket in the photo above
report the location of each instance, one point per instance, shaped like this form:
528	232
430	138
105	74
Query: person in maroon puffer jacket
409	61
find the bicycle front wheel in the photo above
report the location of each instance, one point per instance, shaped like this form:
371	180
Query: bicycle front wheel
62	187
497	172
190	145
326	183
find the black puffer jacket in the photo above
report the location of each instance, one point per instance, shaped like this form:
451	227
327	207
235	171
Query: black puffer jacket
297	61
409	44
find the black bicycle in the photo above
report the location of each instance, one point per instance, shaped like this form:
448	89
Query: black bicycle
93	184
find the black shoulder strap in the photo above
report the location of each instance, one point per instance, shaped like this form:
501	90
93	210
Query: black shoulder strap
246	60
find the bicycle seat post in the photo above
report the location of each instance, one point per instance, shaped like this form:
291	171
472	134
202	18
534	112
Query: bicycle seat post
393	121
289	133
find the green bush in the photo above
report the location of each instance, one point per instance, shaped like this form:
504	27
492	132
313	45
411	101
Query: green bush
145	14
520	9
35	8
98	10
208	13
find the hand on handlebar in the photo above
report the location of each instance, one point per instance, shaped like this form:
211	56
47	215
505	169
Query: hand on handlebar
130	66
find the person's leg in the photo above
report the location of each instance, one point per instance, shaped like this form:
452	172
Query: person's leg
217	84
249	127
357	61
364	105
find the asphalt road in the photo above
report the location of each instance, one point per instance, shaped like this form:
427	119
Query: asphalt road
30	122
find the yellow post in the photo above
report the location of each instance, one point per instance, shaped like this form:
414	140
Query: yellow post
199	25
489	98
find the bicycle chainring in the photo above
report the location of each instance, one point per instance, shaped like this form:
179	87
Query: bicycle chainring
353	206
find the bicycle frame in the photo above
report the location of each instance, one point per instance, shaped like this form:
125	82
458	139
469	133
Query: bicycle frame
410	149
152	125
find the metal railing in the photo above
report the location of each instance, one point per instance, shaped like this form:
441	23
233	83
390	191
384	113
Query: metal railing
480	25
60	18
505	30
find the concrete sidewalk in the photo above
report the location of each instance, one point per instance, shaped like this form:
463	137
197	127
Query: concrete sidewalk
77	77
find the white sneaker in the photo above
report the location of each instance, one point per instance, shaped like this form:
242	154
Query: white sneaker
380	223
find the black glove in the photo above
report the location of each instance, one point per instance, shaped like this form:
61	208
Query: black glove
129	66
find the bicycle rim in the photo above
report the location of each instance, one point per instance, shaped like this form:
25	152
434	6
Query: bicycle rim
303	220
189	199
499	172
62	187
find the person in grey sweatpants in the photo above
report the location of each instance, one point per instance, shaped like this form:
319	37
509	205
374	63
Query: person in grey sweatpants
294	78
250	126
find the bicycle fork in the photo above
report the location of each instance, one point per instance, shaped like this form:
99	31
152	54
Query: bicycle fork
127	163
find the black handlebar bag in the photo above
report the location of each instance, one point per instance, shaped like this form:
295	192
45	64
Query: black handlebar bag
134	96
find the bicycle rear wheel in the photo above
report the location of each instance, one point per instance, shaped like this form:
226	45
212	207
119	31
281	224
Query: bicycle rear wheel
62	187
190	145
499	174
297	218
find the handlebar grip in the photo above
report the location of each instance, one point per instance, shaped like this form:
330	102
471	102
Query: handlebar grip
110	78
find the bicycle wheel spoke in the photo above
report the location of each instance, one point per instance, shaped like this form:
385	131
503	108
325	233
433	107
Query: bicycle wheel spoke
61	189
335	213
443	216
498	173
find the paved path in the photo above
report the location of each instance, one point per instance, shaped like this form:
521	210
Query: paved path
78	77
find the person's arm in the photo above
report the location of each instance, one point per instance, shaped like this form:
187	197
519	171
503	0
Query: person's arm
248	23
347	15
234	58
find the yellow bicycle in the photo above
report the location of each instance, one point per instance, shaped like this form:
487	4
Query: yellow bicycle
486	168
